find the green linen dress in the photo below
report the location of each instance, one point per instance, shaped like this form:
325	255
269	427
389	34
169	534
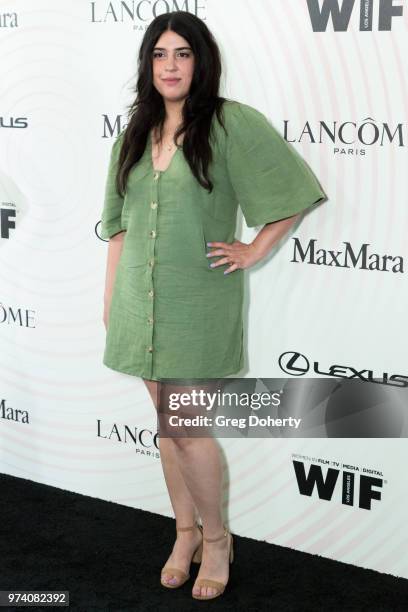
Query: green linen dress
171	315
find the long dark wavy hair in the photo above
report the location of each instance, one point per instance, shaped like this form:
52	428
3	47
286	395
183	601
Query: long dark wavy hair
148	110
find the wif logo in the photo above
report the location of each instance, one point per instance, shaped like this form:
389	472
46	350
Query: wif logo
372	14
326	485
7	221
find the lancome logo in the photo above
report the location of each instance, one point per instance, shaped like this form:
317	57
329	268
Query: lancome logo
142	10
349	137
20	317
8	20
370	14
347	258
144	440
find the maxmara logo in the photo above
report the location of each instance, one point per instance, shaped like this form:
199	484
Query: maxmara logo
133	11
362	258
12	414
348	137
8	20
369	487
369	14
112	128
296	364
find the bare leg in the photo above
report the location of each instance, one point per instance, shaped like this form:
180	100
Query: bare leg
199	461
183	505
200	465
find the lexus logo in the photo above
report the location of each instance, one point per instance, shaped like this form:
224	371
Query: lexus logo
293	363
296	364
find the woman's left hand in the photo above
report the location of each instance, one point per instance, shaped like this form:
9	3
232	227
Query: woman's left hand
237	254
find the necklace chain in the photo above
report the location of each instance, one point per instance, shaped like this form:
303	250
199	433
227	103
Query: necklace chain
169	145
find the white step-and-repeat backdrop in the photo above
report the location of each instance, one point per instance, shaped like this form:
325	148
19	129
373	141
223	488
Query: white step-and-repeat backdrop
332	77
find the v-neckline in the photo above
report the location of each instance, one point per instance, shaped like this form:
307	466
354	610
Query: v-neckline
151	156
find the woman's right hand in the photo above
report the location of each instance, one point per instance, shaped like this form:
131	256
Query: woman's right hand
114	254
106	309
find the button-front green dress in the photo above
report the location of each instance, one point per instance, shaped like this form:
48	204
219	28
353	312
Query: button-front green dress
171	315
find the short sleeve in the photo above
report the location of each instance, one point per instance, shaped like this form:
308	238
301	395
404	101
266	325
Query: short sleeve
270	179
113	202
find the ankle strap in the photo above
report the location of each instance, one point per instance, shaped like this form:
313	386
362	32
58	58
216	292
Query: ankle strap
219	537
190	528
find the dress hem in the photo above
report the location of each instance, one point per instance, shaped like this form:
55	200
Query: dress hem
133	373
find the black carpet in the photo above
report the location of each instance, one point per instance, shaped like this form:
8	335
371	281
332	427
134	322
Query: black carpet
109	557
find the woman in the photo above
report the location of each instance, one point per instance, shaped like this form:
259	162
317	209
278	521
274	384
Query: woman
174	280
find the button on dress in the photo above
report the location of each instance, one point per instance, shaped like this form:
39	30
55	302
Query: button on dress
171	315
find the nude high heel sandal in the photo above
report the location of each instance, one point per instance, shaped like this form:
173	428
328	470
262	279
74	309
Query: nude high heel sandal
175	571
207	582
